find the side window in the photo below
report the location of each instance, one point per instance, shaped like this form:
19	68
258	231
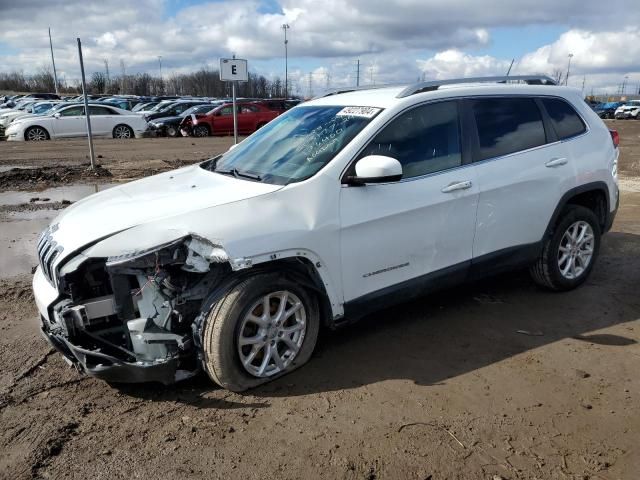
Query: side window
424	140
226	111
507	125
72	112
564	118
99	111
248	109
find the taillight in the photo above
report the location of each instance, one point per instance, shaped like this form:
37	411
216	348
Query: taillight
615	137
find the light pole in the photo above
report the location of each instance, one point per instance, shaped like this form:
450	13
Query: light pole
566	79
624	85
160	63
286	27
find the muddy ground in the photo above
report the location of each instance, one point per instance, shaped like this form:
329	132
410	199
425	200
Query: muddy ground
493	379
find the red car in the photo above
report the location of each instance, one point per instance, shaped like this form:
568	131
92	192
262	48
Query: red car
251	116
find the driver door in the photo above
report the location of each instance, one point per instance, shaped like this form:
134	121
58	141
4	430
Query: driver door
397	237
71	122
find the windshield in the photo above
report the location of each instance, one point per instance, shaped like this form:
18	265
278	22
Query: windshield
295	145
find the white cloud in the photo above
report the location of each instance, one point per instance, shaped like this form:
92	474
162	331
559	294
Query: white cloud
390	38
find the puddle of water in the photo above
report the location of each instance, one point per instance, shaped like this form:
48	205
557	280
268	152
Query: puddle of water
18	242
72	193
6	168
20	230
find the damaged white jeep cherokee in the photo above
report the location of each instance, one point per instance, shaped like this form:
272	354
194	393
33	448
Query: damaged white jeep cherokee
345	204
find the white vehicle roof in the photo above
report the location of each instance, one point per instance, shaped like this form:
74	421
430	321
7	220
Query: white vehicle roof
386	97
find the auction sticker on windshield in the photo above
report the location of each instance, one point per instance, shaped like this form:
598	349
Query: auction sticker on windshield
365	112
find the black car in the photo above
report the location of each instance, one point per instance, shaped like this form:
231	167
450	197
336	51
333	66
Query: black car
169	126
607	110
174	109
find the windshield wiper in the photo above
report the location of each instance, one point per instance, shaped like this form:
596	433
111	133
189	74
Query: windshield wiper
236	173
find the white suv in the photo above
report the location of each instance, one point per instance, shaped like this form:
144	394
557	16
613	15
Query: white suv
342	205
630	109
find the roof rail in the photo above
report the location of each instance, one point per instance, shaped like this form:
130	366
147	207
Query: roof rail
337	91
434	85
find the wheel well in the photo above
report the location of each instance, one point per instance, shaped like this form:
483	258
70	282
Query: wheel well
303	271
596	201
205	125
122	125
36	126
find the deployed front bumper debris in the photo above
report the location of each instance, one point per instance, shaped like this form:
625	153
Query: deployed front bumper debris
129	319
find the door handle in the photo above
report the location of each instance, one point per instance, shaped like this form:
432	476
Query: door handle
452	187
556	162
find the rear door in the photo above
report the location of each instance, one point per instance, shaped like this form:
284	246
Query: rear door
522	170
101	120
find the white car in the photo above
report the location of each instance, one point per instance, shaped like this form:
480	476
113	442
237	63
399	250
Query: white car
630	110
70	121
36	109
338	207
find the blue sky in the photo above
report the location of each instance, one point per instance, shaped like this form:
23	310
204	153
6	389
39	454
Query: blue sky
396	41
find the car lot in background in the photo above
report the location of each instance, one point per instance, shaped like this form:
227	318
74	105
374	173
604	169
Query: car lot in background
628	110
251	117
69	121
170	126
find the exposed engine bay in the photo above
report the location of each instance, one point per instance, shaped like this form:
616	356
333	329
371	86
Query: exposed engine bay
132	318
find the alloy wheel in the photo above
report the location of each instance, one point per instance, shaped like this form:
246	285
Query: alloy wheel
122	131
36	134
576	250
271	333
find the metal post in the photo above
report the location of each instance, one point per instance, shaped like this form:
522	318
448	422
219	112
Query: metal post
285	27
53	61
566	80
235	113
511	65
358	73
86	108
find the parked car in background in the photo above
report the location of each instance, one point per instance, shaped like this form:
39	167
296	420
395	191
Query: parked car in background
144	107
28	110
628	110
607	110
219	121
278	104
69	121
123	103
170	126
175	108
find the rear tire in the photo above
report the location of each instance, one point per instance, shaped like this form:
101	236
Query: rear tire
173	132
123	132
239	323
570	252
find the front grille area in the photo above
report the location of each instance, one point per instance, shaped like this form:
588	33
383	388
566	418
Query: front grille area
48	251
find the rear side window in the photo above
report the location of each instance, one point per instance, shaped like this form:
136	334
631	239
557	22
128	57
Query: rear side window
564	118
507	125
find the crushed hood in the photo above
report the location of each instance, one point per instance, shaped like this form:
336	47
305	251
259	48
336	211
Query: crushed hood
148	200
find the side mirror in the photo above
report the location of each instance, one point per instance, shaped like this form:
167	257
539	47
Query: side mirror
57	115
376	169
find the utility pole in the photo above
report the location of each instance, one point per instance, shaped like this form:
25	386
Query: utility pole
123	69
358	73
566	80
584	78
53	61
106	67
86	108
286	27
310	86
623	89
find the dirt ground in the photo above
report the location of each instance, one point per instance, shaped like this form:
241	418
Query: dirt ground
494	380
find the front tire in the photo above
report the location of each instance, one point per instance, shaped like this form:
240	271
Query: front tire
200	131
570	251
36	134
261	329
173	132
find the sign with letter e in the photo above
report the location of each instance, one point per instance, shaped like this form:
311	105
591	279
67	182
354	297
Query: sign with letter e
233	70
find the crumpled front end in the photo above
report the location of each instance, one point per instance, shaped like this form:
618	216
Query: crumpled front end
130	318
